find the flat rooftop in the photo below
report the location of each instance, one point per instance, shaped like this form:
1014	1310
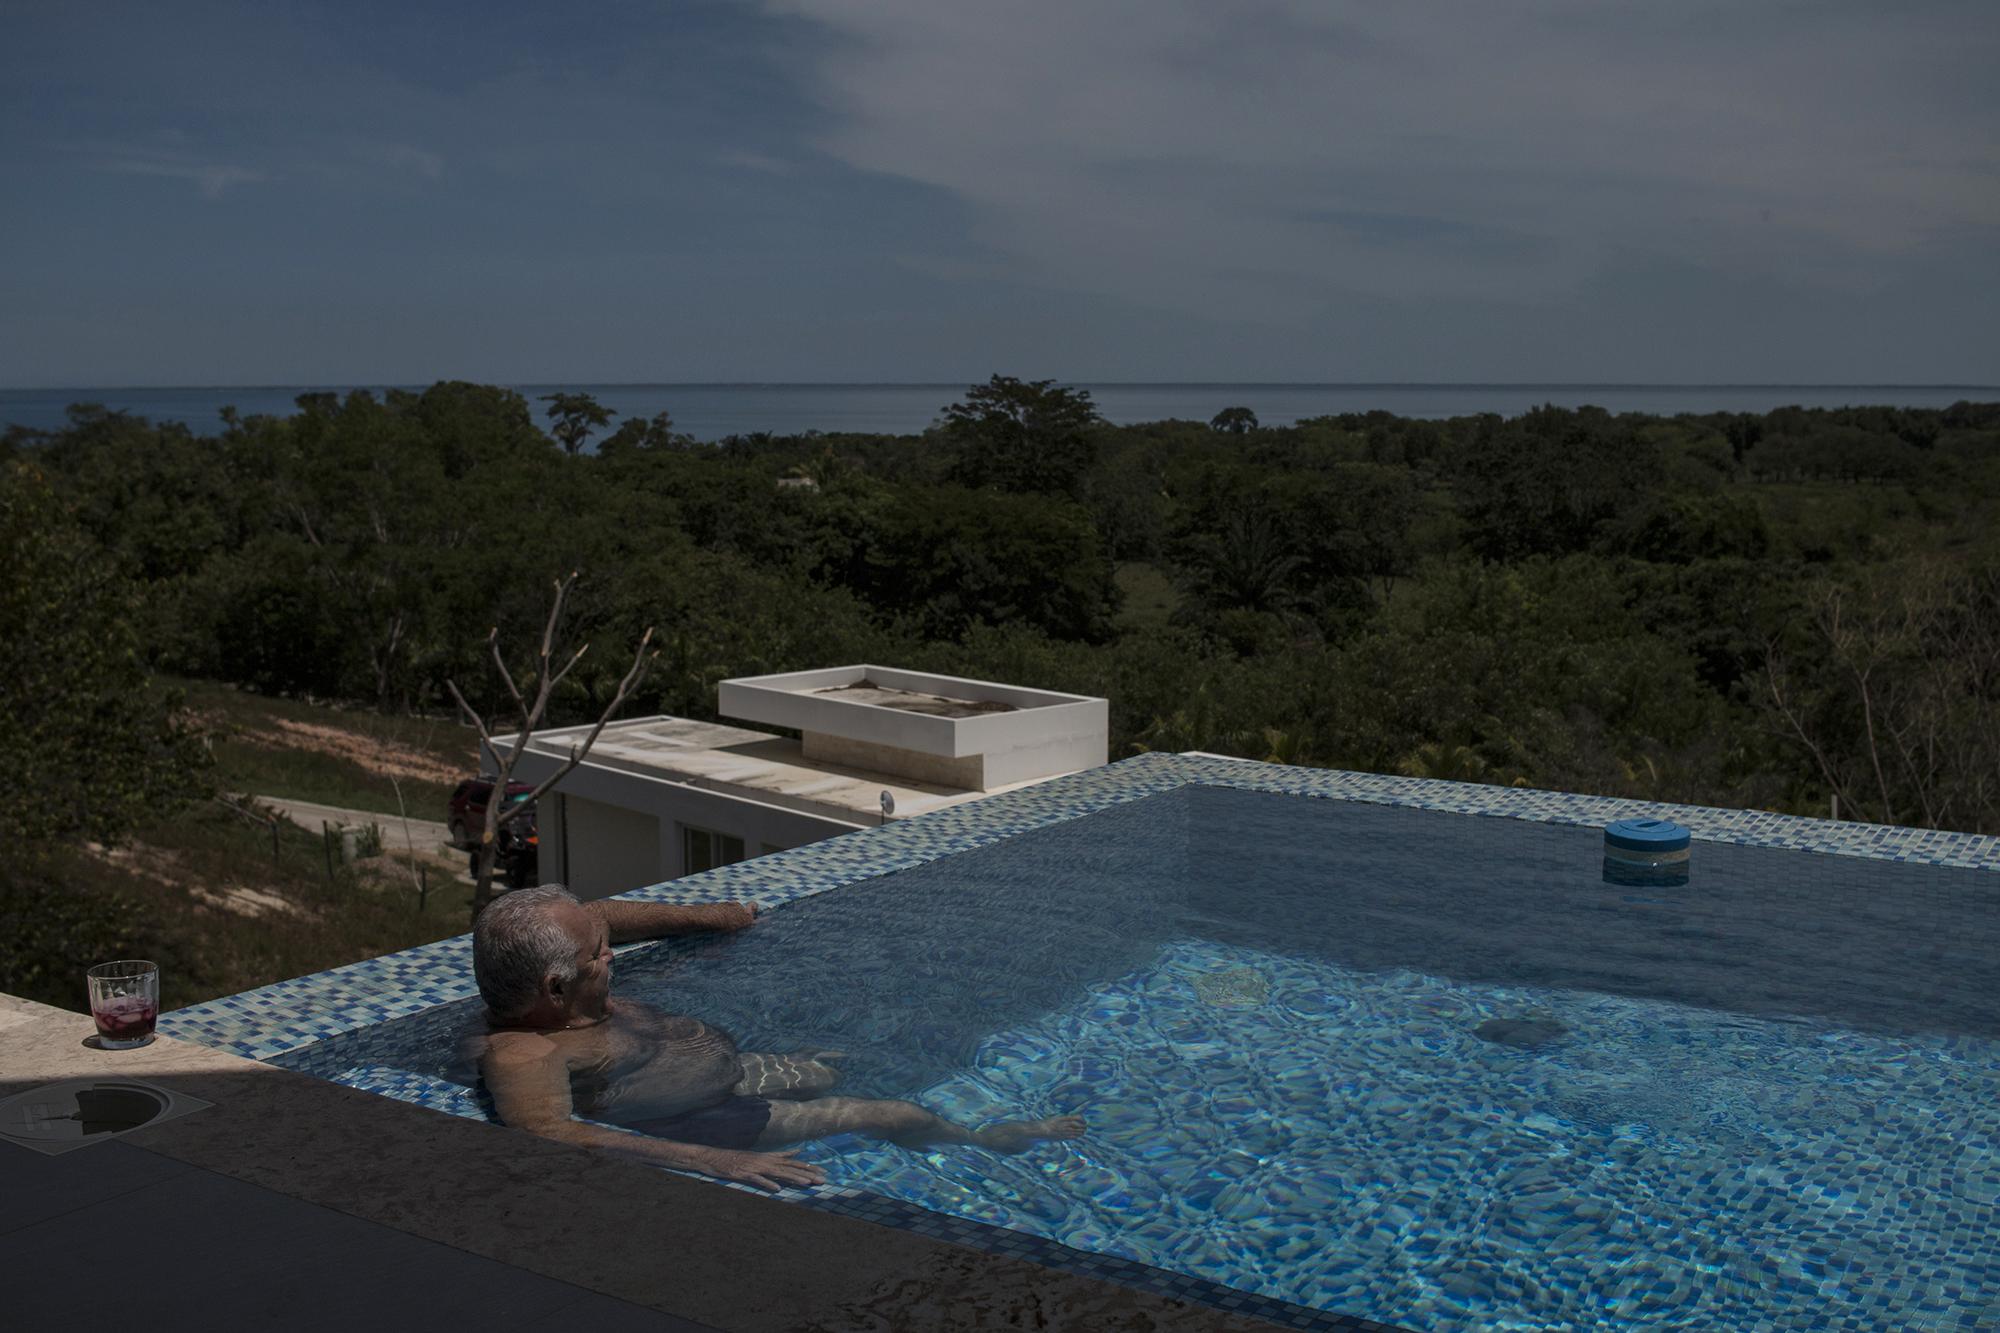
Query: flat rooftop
753	764
1026	732
913	701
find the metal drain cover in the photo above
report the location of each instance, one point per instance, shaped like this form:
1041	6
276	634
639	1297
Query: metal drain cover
60	1117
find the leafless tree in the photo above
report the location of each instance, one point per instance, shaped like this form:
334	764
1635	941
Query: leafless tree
1892	689
499	810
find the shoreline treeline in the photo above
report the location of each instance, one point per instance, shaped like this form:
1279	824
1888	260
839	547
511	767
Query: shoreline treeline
1747	610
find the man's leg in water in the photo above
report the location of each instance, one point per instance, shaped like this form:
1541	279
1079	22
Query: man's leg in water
903	1123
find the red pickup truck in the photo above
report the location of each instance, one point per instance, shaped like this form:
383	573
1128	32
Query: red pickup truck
518	844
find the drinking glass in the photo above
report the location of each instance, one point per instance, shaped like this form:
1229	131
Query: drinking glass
125	1001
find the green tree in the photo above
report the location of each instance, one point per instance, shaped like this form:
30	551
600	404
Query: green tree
164	504
264	617
1024	436
363	487
1129	505
46	926
948	558
463	426
654	432
1251	564
406	515
1234	421
91	747
1549	482
1743	432
1541	670
575	416
1354	522
1682	529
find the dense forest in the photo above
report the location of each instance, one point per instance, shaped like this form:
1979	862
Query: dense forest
1763	611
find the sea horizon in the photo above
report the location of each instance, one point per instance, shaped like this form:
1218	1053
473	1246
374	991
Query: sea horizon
715	409
1123	384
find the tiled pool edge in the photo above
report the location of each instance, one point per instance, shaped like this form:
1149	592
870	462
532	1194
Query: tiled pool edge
286	1015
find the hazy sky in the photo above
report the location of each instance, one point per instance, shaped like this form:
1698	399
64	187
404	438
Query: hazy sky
933	190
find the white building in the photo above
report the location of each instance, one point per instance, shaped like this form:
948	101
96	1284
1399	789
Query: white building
661	797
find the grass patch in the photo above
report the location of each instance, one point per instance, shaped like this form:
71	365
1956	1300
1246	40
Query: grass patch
336	756
444	738
204	896
304	775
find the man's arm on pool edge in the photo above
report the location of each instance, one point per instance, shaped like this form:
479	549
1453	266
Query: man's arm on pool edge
529	1082
630	921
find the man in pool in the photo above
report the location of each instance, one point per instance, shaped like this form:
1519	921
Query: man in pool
558	1046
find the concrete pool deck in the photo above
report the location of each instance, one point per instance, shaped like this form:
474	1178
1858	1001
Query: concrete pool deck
297	1203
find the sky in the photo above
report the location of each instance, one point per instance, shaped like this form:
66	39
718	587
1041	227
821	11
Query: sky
1576	191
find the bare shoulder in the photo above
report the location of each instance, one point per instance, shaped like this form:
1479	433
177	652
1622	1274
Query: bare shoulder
527	1074
510	1049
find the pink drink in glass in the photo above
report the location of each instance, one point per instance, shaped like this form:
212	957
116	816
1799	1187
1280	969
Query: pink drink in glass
126	1020
125	1001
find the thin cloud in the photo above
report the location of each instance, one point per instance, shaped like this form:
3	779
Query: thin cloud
763	162
408	157
213	178
166	152
1271	157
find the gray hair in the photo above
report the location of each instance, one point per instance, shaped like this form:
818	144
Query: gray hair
515	943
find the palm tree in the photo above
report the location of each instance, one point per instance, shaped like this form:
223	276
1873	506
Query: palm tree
1446	761
1251	565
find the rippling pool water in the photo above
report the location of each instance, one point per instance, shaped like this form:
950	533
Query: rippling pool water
1349	1144
1424	1068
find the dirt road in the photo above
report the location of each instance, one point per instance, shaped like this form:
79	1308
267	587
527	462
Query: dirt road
422	835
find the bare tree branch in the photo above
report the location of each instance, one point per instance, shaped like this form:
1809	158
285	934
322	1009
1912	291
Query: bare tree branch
1864	686
500	661
555	615
576	657
409	839
1772	667
640	661
472	713
501	811
1897	689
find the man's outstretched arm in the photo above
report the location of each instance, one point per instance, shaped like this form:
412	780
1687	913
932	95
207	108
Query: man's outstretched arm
630	921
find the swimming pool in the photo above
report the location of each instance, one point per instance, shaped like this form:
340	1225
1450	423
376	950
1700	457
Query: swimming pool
1397	1063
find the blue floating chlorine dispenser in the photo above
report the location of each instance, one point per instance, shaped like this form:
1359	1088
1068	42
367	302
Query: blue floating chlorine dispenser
1647	852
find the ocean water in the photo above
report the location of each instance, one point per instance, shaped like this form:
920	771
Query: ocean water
1424	1068
713	411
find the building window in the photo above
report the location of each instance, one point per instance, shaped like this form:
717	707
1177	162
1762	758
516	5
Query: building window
704	849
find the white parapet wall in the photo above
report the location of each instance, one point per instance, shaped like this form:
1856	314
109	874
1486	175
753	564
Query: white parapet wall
974	734
609	830
600	849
